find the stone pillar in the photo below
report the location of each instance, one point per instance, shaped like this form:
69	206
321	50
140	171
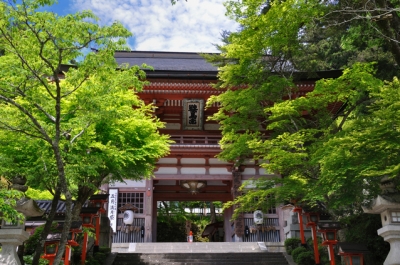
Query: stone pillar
11	236
148	220
105	232
10	239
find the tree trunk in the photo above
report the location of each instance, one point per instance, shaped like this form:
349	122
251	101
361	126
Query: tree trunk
47	226
213	216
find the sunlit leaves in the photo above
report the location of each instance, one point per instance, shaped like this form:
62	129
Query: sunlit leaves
67	108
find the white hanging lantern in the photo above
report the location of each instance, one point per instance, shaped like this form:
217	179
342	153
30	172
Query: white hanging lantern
128	217
258	217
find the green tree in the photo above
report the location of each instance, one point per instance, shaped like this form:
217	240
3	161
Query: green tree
72	126
262	117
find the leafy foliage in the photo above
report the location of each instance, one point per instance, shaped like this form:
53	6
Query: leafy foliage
291	244
34	238
8	200
359	228
297	251
73	126
305	258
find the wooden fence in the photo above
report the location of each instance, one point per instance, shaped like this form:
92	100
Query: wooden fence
267	232
129	233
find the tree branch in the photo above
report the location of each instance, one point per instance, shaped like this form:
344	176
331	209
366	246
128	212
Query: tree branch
80	133
42	131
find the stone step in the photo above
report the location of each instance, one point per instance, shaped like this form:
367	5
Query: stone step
197	247
260	258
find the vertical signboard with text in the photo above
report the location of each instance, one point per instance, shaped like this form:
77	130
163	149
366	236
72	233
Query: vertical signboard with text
113	208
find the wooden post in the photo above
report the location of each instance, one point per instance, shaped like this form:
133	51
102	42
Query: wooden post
96	242
67	254
331	254
315	243
84	248
299	212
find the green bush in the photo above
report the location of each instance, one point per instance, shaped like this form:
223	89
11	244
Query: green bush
305	258
296	252
291	243
98	258
34	239
28	260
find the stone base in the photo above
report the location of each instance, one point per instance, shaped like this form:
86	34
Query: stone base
391	234
10	240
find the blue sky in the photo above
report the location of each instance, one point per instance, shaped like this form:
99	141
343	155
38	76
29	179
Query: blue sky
191	26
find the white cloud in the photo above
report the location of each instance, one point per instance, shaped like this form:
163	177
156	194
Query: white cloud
191	26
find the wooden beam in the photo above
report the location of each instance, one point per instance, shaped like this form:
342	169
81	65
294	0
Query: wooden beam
224	197
158	188
192	176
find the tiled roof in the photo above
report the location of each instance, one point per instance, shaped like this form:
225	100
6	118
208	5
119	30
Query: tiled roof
166	61
45	205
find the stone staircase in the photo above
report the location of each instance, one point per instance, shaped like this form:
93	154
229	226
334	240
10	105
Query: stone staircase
238	253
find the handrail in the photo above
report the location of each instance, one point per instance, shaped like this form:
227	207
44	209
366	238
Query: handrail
195	139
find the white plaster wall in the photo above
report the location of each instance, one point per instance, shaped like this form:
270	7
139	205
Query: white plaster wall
197	161
166	170
219	171
129	183
216	161
249	171
193	170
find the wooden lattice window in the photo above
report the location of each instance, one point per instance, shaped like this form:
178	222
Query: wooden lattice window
135	198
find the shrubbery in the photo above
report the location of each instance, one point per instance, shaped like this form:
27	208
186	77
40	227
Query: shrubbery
291	243
305	258
34	239
297	251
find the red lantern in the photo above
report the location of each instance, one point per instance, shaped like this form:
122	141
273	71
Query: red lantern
98	200
88	215
352	253
329	231
312	220
50	250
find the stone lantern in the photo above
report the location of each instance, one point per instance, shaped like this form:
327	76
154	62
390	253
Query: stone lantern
13	234
388	206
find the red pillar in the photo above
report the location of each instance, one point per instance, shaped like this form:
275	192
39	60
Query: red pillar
331	254
96	243
315	243
299	212
66	257
84	248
